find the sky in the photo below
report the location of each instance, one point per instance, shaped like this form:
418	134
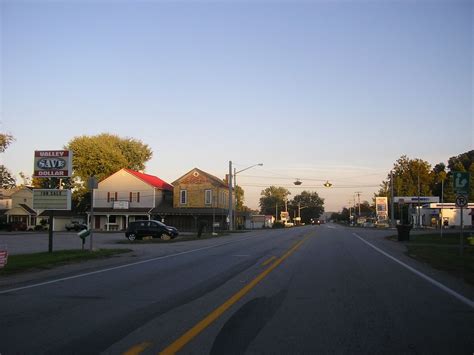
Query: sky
314	90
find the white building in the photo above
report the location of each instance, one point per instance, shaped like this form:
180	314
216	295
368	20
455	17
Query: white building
432	213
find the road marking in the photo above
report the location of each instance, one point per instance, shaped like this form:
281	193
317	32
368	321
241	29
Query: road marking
460	297
137	349
216	313
121	266
269	260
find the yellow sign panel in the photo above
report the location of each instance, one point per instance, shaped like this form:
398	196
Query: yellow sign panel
51	199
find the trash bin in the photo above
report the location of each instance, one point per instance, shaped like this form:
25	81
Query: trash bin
403	232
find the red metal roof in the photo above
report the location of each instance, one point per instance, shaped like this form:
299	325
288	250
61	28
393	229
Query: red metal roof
151	179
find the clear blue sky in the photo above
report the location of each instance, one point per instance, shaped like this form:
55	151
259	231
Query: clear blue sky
334	90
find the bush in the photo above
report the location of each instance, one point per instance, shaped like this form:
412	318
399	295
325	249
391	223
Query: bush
39	228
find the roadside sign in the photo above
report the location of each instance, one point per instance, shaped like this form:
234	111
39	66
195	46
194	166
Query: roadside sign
3	257
416	199
461	201
461	182
51	199
52	163
92	183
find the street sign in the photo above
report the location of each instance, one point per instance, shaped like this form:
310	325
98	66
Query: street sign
461	201
51	199
52	163
461	182
92	183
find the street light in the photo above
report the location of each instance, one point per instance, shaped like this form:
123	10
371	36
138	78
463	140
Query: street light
327	184
231	205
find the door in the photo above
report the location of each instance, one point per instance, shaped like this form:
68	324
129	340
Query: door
96	222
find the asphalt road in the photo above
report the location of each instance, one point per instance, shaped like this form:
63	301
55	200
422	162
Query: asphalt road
311	290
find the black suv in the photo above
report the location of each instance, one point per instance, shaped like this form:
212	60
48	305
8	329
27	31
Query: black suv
155	229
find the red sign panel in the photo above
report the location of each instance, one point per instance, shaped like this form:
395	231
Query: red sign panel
3	258
52	163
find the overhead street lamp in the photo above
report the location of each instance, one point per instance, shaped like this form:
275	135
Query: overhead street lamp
233	206
327	184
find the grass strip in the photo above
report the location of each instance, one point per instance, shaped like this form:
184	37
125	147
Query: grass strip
446	259
25	262
435	238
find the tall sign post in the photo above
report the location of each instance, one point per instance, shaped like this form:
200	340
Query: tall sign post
52	164
231	215
92	184
461	188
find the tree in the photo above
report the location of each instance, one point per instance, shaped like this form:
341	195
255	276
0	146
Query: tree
239	198
7	180
273	197
409	175
461	162
309	204
99	156
5	141
104	154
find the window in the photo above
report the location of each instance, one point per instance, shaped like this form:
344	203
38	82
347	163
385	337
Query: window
222	197
208	197
183	197
134	196
112	219
112	198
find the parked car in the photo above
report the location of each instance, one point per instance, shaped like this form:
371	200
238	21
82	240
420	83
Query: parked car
76	226
154	229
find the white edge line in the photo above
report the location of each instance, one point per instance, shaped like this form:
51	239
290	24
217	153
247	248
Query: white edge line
120	267
460	297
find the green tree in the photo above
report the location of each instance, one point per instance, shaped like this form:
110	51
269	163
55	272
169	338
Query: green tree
409	175
104	154
99	156
461	162
309	204
5	141
271	198
7	180
239	197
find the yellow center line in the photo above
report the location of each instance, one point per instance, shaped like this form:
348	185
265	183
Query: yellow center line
269	260
216	313
137	349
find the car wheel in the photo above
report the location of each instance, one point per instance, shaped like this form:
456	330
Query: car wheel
132	237
165	237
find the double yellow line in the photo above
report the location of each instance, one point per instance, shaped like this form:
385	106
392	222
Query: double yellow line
215	314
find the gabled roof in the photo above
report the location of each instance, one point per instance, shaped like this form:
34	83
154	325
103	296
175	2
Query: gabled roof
151	180
213	178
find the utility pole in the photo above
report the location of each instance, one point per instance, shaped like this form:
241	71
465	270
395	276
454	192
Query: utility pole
358	200
442	207
392	204
231	216
235	204
418	210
